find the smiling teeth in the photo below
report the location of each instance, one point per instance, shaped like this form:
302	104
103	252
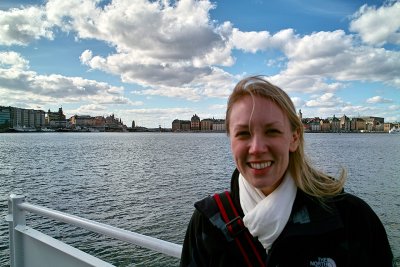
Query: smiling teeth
261	165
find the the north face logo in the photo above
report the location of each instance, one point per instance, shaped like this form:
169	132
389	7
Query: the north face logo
323	262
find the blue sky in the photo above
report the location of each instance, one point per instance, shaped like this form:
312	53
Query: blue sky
156	61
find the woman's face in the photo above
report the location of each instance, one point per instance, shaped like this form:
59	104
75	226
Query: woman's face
261	140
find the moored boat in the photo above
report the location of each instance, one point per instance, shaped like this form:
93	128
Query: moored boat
394	130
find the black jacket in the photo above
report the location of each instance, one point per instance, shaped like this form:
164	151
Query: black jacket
342	232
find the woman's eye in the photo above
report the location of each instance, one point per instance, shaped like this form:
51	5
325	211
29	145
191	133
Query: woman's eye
273	131
243	134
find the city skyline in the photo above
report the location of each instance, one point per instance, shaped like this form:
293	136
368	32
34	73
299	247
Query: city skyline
102	57
300	114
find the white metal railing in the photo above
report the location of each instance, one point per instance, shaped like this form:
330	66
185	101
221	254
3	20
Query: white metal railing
22	238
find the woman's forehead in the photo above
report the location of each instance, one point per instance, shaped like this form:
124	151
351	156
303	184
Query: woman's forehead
257	108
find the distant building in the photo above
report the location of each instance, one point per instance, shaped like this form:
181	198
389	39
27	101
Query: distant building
5	117
335	124
325	125
185	126
133	124
181	125
374	123
345	124
357	124
176	125
195	123
219	126
98	123
207	124
16	118
300	114
81	121
56	119
315	125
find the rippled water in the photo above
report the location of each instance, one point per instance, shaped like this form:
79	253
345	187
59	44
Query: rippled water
148	182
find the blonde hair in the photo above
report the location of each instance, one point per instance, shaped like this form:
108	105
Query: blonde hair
307	178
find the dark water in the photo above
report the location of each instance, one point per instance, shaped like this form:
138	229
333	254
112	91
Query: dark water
148	182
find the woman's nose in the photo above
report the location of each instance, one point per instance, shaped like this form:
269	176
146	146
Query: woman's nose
258	144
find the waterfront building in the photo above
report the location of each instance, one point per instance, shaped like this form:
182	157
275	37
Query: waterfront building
19	118
219	126
315	124
56	119
98	123
39	118
5	117
207	124
185	125
374	123
335	124
195	123
325	125
345	124
112	123
16	118
358	124
25	117
387	127
81	121
180	125
176	125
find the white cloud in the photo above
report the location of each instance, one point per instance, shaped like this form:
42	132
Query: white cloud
156	42
378	99
22	26
90	109
336	56
317	45
298	102
378	26
250	41
217	84
17	82
304	83
174	49
13	60
327	100
86	56
217	107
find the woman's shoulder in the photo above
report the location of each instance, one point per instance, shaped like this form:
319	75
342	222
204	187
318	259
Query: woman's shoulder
357	212
351	202
350	207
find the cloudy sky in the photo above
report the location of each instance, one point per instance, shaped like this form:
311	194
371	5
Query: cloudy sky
155	61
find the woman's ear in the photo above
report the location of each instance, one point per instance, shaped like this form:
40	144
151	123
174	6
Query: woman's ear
294	143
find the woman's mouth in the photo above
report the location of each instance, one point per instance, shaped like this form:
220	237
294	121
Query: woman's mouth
260	165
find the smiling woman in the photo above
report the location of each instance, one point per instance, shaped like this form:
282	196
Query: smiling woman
261	139
290	213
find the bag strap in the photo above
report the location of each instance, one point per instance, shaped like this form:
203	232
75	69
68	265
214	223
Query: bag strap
237	230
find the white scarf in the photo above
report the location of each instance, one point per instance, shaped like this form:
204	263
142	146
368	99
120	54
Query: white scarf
266	216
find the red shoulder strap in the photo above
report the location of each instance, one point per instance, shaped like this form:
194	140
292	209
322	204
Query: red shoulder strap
237	230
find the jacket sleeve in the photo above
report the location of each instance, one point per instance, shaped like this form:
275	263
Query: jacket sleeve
204	244
367	227
381	250
193	251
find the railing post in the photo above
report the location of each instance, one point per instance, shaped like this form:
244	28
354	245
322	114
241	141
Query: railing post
16	216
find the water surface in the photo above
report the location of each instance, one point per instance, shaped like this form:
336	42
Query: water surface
148	182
